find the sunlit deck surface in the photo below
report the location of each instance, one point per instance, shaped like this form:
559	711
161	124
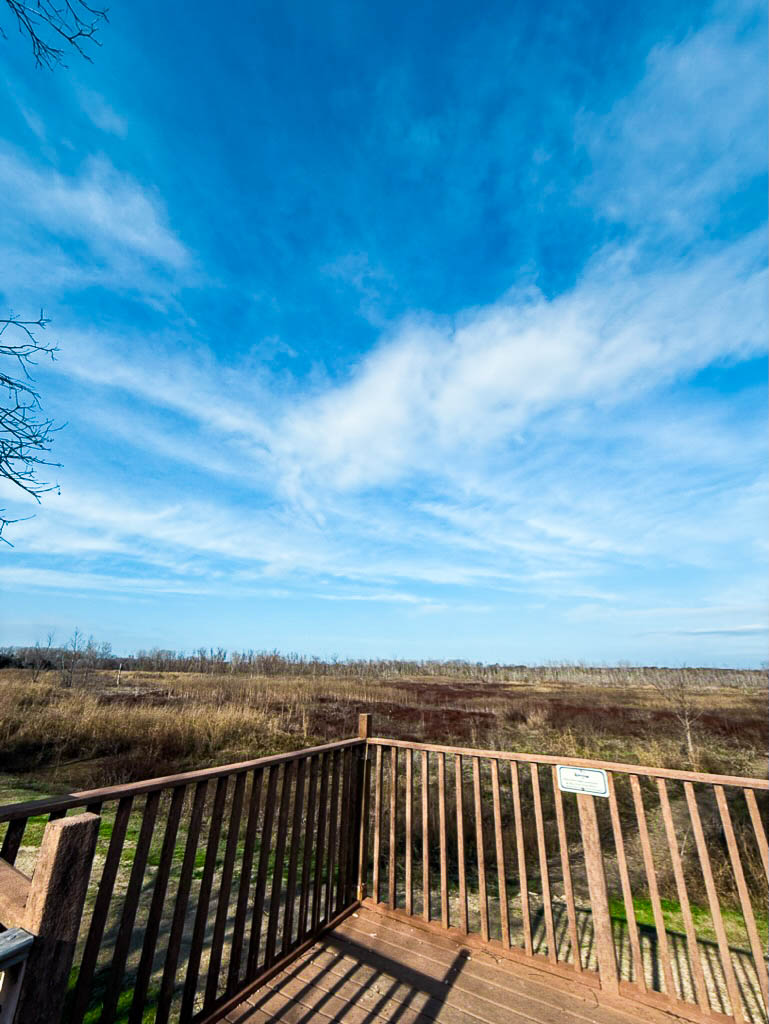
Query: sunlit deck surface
374	968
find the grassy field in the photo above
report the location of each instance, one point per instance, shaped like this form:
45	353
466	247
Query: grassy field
54	738
62	730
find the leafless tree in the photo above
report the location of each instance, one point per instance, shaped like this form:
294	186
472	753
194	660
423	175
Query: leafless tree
55	27
677	689
25	432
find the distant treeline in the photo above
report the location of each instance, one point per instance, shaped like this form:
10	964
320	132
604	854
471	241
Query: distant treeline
81	657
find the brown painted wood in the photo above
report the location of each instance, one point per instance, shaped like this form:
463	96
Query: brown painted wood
392	850
523	880
225	888
167	984
483	900
409	832
333	824
225	1006
244	888
363	831
425	836
599	900
364	726
293	857
713	903
354	818
152	928
443	839
346	816
630	769
289	772
568	888
544	874
499	839
651	880
260	892
695	961
204	895
627	892
742	890
130	906
12	840
309	841
377	853
100	910
317	885
758	828
459	790
11	812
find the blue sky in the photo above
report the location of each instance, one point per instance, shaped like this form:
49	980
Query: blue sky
426	331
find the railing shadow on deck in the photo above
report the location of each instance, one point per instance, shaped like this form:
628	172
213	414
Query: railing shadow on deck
414	989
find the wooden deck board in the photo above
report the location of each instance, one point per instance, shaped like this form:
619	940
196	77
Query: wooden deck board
373	969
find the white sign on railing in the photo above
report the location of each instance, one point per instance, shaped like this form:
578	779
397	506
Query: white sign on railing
582	780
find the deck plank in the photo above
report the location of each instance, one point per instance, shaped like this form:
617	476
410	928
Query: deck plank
375	969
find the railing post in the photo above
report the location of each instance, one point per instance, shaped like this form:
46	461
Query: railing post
53	910
599	900
364	732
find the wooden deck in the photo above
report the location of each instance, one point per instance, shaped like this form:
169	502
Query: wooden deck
374	968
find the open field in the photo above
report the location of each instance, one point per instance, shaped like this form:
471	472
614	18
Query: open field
113	726
62	730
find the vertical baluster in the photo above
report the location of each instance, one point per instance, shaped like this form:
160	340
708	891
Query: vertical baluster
606	953
12	840
501	866
346	817
180	908
409	831
461	843
521	852
309	839
365	772
714	904
377	822
141	983
201	916
442	827
130	905
683	900
265	844
317	884
225	887
547	904
289	771
293	858
482	895
568	889
425	836
742	891
627	892
758	828
332	834
241	908
651	878
391	894
100	910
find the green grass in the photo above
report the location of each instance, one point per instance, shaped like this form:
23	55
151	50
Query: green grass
703	922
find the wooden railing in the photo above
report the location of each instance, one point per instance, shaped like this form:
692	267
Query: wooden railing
206	884
654	892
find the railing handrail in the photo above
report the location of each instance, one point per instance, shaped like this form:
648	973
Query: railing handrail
744	782
11	812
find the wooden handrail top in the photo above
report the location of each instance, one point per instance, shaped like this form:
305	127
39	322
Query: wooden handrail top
611	766
11	812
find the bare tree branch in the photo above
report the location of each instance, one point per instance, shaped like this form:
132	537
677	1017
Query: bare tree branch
25	433
53	26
